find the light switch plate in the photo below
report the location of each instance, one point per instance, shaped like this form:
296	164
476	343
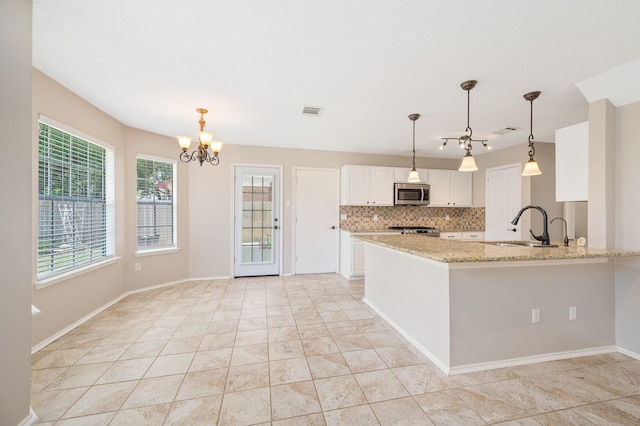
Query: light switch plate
535	315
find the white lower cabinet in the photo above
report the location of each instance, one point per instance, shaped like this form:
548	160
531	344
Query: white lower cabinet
352	254
473	236
451	235
463	236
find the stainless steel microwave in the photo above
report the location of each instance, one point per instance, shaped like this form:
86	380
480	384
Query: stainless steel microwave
410	194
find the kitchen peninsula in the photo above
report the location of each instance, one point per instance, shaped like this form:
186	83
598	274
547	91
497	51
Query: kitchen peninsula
471	306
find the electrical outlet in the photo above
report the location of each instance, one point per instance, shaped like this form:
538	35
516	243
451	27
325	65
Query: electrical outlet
375	217
573	313
343	216
137	267
535	315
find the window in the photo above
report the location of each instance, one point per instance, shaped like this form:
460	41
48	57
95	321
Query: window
75	200
156	203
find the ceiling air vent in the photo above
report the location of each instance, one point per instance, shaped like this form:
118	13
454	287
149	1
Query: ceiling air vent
506	130
311	111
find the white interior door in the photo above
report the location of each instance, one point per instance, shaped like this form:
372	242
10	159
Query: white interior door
257	221
317	210
503	203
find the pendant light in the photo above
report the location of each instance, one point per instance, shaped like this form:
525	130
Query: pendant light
468	163
413	175
531	167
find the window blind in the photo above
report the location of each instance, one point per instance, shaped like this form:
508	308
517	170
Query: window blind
75	201
156	203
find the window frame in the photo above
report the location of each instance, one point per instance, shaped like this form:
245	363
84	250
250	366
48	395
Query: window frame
45	278
142	251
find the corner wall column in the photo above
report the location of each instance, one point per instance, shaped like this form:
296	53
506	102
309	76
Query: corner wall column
601	208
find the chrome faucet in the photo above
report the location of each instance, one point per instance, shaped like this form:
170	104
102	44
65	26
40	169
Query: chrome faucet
544	238
566	236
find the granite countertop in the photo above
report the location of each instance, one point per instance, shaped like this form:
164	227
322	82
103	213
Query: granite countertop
457	251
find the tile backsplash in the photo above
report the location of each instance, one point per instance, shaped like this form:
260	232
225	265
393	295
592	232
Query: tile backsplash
362	218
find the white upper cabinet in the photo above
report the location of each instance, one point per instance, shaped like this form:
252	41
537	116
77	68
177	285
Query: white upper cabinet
572	163
366	186
402	174
450	188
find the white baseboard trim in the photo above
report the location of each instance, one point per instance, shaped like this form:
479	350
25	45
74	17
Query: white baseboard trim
513	362
30	420
95	312
75	324
626	352
437	361
226	277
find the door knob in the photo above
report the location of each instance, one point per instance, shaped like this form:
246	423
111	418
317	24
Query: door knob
275	227
332	227
512	229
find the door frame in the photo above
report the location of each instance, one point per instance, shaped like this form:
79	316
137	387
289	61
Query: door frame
232	215
294	214
525	195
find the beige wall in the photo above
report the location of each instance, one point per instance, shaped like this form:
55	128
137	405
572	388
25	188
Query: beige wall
157	268
627	229
15	217
67	301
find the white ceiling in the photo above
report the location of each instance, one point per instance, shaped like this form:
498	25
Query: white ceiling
368	63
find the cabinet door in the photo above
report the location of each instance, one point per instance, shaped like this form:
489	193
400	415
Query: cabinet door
356	190
439	190
460	187
473	236
572	163
357	259
382	186
451	235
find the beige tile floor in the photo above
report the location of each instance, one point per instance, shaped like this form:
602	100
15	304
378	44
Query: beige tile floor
302	350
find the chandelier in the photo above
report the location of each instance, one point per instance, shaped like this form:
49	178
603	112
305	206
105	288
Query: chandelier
531	167
205	141
468	163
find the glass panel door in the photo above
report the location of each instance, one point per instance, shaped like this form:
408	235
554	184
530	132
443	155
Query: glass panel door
257	223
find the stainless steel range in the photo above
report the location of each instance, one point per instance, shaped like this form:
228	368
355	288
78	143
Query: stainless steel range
422	230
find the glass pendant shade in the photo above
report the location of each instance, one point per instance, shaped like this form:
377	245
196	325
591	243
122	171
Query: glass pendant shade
468	163
413	176
531	168
216	146
184	142
205	138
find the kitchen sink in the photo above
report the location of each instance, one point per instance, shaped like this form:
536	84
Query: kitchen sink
517	244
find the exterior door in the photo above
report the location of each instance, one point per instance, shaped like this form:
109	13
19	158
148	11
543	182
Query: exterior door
317	210
503	203
257	221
